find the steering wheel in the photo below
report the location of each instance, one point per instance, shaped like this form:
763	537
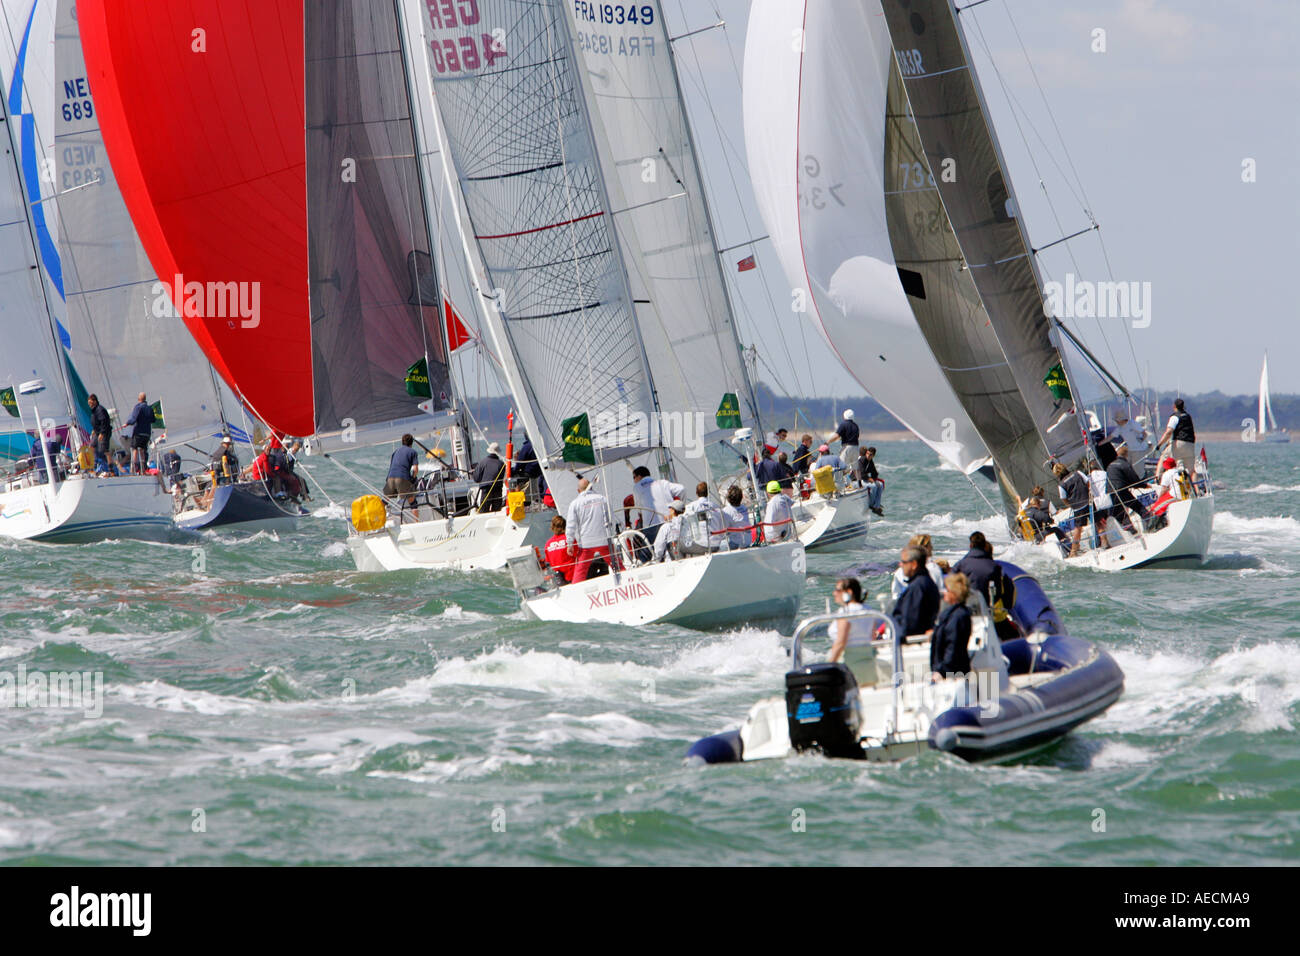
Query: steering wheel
629	543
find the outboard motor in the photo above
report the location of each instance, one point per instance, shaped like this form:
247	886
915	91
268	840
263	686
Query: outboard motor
822	708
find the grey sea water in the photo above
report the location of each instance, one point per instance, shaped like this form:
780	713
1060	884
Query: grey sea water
278	707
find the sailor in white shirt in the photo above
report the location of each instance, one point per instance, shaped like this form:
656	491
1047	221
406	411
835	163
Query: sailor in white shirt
778	520
669	534
736	517
652	496
587	529
1131	434
705	505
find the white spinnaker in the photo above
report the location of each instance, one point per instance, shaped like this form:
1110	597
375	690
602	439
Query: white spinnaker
521	148
812	72
26	327
119	345
664	229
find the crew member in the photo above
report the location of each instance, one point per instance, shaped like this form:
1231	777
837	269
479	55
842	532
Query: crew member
867	475
670	533
557	550
778	520
774	440
706	506
986	576
224	462
101	431
1182	434
802	459
847	432
587	529
918	605
653	496
1074	491
490	476
949	653
1123	478
403	468
736	518
141	425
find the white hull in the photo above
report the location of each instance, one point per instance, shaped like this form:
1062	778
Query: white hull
833	524
468	543
1183	542
720	589
83	509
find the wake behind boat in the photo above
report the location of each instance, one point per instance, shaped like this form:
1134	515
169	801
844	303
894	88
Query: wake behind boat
1020	695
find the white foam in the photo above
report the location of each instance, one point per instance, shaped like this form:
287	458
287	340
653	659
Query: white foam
335	549
1274	528
330	512
157	695
541	671
1267	489
747	651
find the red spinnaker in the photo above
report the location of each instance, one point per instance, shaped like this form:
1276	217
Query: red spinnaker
201	104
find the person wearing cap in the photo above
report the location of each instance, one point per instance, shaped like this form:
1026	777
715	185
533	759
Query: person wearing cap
826	457
141	425
848	433
224	462
1123	478
587	529
403	468
653	496
490	476
670	532
1129	433
1170	472
778	519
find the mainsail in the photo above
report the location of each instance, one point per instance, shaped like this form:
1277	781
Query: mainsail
662	218
125	336
1266	421
815	89
537	221
316	328
952	122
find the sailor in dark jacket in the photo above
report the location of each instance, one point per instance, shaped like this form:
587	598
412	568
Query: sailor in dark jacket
101	429
490	475
1122	477
919	603
949	653
141	425
986	576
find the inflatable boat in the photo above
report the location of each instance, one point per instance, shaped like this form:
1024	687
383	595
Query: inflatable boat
1020	696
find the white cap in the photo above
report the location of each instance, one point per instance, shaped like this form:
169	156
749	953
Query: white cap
493	448
848	414
227	440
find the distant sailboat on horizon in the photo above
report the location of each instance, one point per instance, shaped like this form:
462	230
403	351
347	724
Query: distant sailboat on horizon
1268	430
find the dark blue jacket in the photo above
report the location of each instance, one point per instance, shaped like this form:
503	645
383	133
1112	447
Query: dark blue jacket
142	418
986	577
948	646
848	431
404	458
526	464
917	606
99	423
769	469
802	459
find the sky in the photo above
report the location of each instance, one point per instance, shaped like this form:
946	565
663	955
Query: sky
1153	135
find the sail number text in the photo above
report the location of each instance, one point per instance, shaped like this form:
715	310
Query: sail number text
615	13
76	100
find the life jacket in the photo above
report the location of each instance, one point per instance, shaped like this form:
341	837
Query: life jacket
1183	431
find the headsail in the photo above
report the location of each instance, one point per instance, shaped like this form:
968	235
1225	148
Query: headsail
814	129
316	330
126	337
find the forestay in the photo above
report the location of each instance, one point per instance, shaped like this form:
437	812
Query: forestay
814	132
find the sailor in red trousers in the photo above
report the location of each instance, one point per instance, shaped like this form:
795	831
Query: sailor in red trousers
587	530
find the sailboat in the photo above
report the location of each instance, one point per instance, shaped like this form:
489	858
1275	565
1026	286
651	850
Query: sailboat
601	318
48	497
949	248
315	213
1268	430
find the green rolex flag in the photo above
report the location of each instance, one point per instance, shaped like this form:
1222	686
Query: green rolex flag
728	414
417	380
8	401
1055	381
577	440
156	408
